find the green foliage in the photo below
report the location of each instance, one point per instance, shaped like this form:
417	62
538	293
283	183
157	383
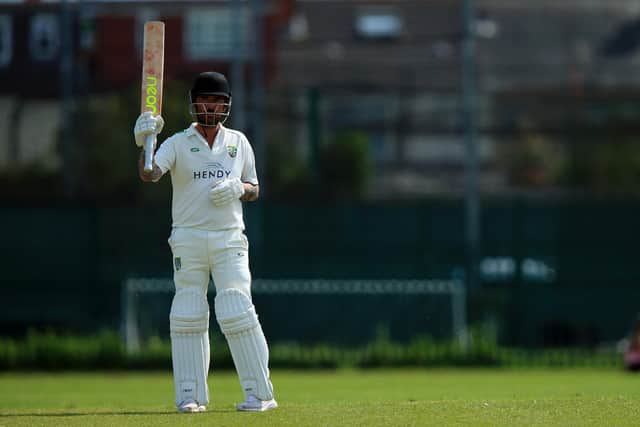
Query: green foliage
156	354
534	161
604	160
590	153
346	166
103	164
344	169
107	159
105	351
287	175
54	352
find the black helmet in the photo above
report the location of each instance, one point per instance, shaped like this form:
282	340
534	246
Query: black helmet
210	83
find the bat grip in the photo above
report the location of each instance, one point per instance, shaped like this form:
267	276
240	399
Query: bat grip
149	149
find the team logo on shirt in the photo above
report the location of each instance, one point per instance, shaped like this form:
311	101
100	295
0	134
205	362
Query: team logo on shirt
232	150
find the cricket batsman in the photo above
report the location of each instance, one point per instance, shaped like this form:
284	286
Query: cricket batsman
212	172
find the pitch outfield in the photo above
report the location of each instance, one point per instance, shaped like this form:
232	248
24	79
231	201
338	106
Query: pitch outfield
343	398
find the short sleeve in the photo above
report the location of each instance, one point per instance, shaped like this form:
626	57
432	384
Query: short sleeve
165	157
249	168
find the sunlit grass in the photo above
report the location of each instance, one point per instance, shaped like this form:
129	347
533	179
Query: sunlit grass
332	398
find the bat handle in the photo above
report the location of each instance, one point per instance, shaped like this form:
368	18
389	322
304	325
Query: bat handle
149	148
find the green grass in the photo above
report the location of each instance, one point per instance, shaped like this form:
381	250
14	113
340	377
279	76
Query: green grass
324	398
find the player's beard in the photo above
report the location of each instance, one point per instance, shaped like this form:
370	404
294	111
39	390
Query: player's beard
208	119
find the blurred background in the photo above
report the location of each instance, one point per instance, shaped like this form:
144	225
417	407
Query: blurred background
427	168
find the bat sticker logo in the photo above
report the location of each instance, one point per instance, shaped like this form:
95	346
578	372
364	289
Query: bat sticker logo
152	91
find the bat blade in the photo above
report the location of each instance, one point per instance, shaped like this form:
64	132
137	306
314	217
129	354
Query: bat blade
152	75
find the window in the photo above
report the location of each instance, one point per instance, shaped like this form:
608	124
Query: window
378	23
44	37
213	33
6	41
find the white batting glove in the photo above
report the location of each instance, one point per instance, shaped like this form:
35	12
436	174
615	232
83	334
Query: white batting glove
147	124
227	191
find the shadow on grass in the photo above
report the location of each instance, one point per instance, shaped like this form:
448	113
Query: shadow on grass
128	413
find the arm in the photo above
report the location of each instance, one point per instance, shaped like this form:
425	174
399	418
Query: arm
153	176
251	192
147	124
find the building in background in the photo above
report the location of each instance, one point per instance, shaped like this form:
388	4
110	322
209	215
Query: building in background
389	71
392	69
55	49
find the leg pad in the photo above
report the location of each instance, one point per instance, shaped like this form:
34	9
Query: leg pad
190	352
239	323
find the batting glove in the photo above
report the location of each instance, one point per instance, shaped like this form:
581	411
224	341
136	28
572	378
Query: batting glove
227	191
147	124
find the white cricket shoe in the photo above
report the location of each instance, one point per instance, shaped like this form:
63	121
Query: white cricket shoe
191	405
253	404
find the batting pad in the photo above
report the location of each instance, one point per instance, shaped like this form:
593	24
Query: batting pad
190	352
238	321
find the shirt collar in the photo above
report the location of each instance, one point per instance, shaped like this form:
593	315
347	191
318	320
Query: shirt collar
191	130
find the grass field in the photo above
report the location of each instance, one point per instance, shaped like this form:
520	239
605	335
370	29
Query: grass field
342	398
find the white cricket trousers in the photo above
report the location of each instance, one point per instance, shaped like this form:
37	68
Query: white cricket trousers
224	255
198	254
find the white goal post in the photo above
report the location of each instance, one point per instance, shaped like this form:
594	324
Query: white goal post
133	288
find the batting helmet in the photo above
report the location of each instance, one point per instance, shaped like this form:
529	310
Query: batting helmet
213	84
210	83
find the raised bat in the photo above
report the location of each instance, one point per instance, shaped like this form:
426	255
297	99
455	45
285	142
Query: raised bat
152	71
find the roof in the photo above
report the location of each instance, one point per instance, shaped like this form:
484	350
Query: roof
539	43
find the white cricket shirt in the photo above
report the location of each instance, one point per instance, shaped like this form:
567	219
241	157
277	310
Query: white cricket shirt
195	169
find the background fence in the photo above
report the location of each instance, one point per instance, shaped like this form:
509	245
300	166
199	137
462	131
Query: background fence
551	274
490	143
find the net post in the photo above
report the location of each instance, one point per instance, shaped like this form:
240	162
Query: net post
133	288
129	327
459	313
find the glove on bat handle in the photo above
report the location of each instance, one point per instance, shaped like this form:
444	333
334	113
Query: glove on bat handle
149	148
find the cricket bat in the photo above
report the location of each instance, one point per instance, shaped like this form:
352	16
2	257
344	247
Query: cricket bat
152	73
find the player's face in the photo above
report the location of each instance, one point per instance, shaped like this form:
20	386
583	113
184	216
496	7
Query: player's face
211	109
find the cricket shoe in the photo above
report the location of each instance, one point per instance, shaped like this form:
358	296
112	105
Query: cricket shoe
253	404
189	406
